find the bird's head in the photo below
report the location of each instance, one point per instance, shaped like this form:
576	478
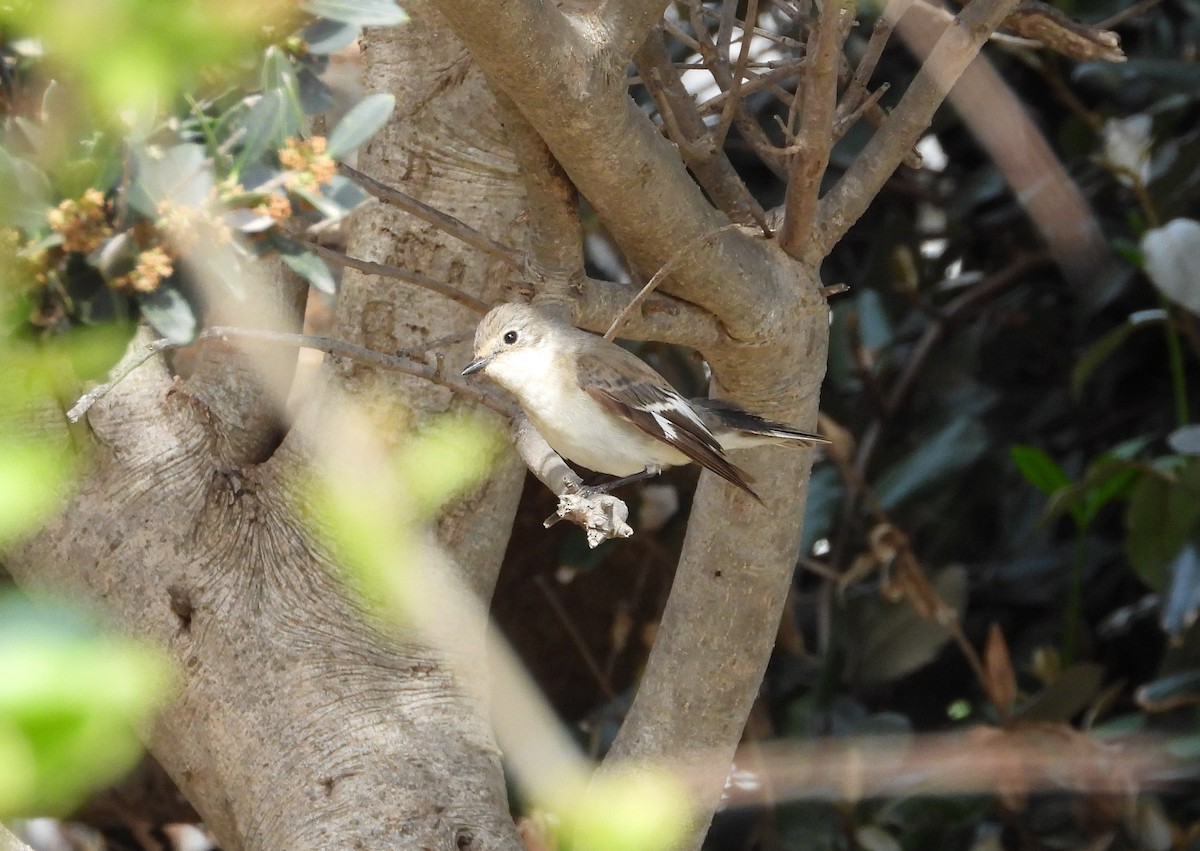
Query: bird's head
512	340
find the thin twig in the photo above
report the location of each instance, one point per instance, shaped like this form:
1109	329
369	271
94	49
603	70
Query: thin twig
780	72
402	361
956	48
706	160
585	652
658	276
443	221
120	373
1133	11
815	136
738	73
385	270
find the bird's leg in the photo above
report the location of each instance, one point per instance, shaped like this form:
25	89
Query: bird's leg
608	487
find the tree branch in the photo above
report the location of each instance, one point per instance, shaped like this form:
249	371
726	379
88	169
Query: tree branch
385	270
843	205
815	137
579	105
399	362
703	155
431	215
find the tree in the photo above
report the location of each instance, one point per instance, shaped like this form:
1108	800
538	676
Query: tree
302	720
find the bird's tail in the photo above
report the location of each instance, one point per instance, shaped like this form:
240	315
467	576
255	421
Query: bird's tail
737	428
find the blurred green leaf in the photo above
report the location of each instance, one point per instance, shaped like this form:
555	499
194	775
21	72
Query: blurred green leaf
313	269
361	123
874	325
632	810
180	175
1108	345
820	511
134	55
26	192
956	446
442	462
1163	514
1170	692
268	125
890	640
71	706
363	13
1039	469
33	476
1185	440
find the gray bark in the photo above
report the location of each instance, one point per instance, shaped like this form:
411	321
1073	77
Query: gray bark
298	724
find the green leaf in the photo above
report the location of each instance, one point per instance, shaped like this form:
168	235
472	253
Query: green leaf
325	36
278	74
363	13
313	269
32	476
1185	440
1163	514
267	126
182	174
360	123
1039	469
170	314
70	707
326	208
890	640
954	447
26	193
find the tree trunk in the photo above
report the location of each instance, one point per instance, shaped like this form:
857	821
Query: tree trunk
299	725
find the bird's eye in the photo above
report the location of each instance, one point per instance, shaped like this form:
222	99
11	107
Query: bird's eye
510	337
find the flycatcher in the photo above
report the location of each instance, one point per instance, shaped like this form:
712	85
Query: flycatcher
601	406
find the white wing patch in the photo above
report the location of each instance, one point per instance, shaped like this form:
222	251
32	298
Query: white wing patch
668	430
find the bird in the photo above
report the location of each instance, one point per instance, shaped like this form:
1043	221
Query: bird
600	406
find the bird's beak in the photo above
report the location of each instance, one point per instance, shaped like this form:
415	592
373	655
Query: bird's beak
477	364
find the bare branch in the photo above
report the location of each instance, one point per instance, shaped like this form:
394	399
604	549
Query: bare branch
739	71
658	276
1049	27
601	516
816	126
582	109
660	317
401	361
385	270
747	126
703	154
957	47
457	228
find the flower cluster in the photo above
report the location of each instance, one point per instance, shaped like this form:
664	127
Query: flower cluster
82	222
153	266
307	158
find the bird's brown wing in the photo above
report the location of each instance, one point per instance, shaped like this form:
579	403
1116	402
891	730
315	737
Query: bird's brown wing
642	397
